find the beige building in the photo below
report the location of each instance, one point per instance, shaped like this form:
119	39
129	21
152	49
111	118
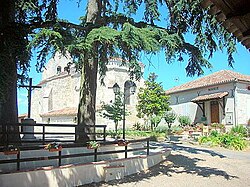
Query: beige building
57	100
222	97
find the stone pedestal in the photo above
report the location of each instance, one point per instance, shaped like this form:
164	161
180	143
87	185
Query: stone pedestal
28	128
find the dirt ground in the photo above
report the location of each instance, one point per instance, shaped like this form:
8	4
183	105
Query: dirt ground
190	165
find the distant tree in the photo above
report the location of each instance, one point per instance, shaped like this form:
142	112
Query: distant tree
114	111
155	120
152	100
170	118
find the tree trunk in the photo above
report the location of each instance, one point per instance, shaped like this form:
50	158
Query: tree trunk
87	102
86	108
8	74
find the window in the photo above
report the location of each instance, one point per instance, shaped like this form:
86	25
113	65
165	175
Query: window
59	70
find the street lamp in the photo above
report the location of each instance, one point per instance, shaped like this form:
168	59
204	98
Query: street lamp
128	86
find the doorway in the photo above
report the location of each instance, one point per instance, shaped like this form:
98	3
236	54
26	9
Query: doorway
214	106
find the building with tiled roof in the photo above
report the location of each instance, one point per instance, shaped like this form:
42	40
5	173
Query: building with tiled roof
57	99
222	97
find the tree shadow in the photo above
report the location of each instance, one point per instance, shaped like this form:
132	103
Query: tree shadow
190	149
195	150
175	164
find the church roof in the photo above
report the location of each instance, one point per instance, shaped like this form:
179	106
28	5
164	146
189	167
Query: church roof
69	111
220	77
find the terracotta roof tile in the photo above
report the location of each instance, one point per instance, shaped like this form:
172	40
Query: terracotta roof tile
219	77
69	111
218	95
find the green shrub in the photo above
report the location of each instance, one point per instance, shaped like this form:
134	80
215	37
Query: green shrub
170	118
176	130
214	133
137	133
161	129
138	126
204	139
240	130
113	134
230	140
184	121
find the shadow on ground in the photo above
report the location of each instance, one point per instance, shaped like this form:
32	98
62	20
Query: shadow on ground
194	150
175	164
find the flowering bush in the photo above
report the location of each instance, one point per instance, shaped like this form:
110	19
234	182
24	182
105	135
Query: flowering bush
93	145
11	148
53	145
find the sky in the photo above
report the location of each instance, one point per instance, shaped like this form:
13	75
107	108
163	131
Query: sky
169	75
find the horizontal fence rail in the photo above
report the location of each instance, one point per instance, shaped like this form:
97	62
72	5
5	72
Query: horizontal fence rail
18	160
6	132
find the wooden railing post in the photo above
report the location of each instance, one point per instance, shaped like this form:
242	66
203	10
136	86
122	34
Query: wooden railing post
104	133
18	161
60	158
126	151
147	146
95	156
43	133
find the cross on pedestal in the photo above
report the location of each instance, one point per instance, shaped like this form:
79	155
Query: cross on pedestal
29	88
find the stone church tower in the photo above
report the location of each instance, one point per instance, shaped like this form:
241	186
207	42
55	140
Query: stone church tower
57	100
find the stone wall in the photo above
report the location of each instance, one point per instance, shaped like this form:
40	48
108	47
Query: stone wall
60	90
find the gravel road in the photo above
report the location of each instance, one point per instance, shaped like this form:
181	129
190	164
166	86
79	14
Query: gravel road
191	165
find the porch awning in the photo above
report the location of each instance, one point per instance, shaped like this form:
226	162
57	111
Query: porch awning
212	96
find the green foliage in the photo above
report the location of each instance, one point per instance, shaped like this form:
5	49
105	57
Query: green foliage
161	129
214	133
239	130
93	144
152	100
138	133
230	141
170	118
138	126
114	111
184	121
176	130
155	120
114	134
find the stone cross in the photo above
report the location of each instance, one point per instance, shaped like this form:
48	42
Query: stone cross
29	88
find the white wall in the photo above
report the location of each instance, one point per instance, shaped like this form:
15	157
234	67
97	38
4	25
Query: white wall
180	102
243	103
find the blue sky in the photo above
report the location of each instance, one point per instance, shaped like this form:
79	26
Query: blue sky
169	75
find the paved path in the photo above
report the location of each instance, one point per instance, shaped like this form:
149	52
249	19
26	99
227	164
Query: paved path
193	166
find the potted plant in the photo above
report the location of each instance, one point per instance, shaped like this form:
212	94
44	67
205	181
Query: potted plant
11	150
122	142
54	146
93	145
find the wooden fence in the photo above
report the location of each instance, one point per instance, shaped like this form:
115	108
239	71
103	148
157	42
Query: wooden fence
61	156
6	132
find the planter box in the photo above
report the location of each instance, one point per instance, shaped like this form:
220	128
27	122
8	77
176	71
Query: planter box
122	144
11	152
54	149
89	147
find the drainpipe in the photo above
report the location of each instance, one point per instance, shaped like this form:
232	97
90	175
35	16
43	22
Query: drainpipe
234	92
